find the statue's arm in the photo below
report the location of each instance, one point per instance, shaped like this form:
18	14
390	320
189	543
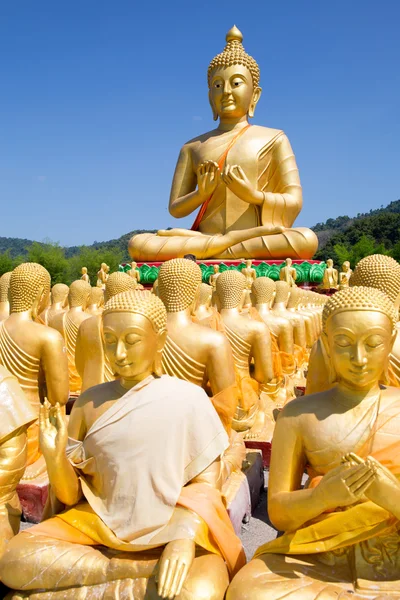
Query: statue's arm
211	476
286	338
220	365
262	353
184	198
55	366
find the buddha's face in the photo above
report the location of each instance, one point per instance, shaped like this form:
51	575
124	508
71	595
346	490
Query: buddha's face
359	344
231	92
131	344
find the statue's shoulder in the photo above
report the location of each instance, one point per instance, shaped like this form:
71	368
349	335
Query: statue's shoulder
200	139
4	374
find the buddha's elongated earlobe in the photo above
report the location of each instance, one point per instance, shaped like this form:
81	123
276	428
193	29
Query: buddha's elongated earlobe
214	112
253	104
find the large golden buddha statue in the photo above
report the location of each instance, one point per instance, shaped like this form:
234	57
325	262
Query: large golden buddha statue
67	323
243	181
342	529
33	353
139	471
59	303
377	271
16	415
91	361
4	299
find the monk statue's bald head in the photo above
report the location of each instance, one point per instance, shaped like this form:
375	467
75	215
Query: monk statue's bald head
230	286
29	286
179	280
117	283
5	286
381	272
79	293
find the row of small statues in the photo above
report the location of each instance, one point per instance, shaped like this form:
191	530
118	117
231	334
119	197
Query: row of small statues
103	274
171	384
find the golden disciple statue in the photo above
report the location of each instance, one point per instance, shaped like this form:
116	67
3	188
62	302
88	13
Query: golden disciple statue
288	273
16	415
91	361
377	271
293	307
242	180
59	303
33	353
249	340
85	276
330	279
4	299
205	314
342	529
344	275
191	351
68	323
134	272
96	301
102	275
156	529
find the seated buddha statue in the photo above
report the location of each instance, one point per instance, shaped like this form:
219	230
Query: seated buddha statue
242	180
204	313
16	415
59	303
4	299
330	279
91	361
342	530
166	533
96	301
263	293
345	275
377	271
193	352
33	353
288	273
250	340
67	323
292	306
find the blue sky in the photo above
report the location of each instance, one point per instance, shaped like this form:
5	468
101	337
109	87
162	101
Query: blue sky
97	97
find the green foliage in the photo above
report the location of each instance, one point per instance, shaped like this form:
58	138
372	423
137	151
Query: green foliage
90	258
52	257
8	263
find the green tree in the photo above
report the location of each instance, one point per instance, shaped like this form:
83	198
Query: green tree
342	253
52	257
91	259
7	263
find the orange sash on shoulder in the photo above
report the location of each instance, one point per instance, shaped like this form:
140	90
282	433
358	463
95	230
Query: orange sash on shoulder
221	162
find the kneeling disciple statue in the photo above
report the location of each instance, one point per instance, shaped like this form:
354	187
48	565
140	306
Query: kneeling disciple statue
342	529
139	470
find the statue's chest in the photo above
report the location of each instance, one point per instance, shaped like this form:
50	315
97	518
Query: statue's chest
222	151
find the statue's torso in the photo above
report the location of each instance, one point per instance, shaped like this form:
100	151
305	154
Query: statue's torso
226	212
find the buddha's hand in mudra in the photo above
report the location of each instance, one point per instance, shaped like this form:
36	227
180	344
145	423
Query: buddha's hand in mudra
208	177
344	485
53	431
236	180
174	566
384	484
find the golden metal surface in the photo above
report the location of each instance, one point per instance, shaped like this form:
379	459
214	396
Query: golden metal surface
4	300
343	528
243	180
331	276
288	273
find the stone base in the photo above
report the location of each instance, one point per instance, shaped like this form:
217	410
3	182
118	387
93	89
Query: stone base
264	447
33	496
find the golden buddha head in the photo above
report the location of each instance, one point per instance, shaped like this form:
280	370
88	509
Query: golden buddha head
5	286
96	296
288	262
79	294
84	270
29	288
216	268
233	80
381	272
133	265
134	333
59	294
294	297
329	263
117	283
262	291
179	281
249	262
346	266
282	291
230	288
204	295
359	329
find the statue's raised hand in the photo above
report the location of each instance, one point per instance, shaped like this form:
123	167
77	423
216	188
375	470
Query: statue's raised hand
53	431
344	485
208	176
236	180
174	566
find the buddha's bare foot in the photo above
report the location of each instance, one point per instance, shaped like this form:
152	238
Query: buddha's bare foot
258	427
